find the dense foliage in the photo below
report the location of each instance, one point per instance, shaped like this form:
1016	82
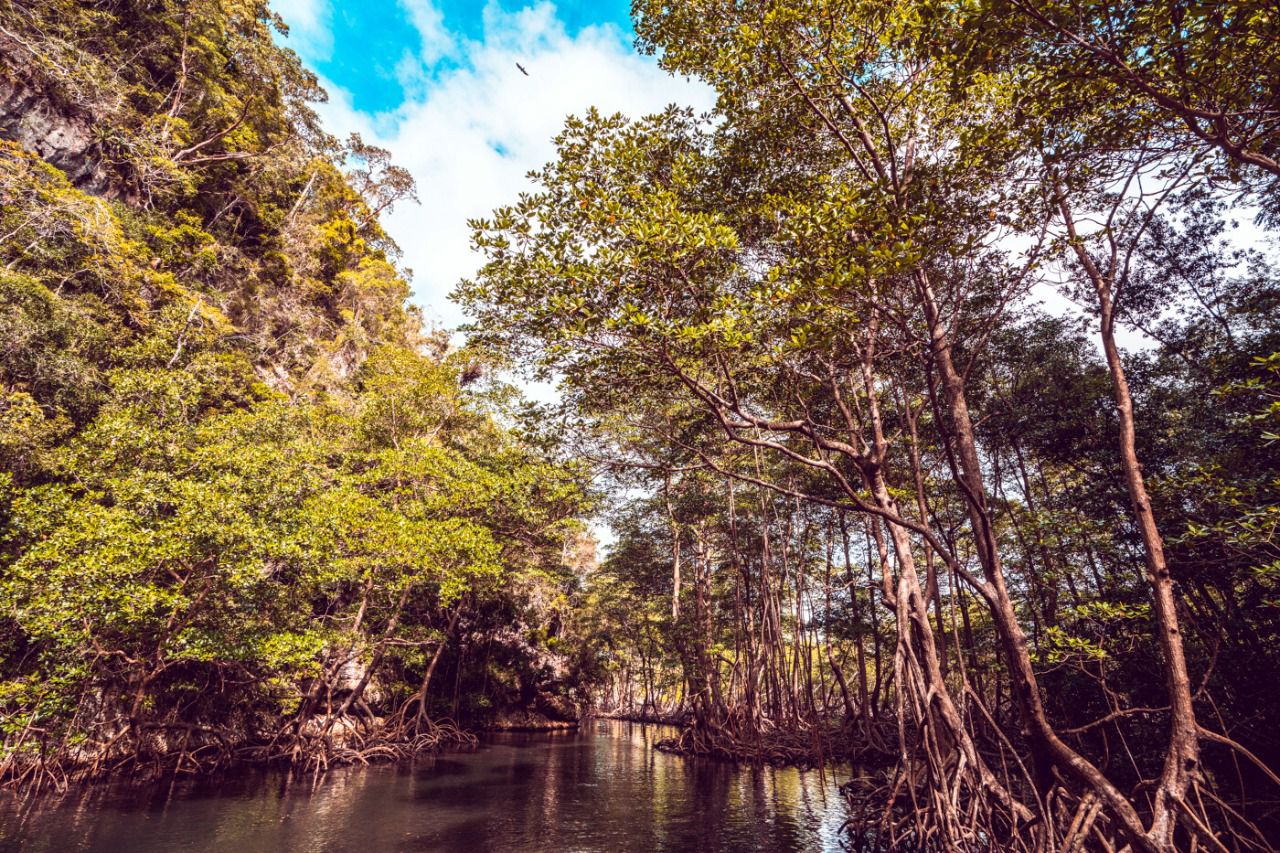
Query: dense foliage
247	508
904	510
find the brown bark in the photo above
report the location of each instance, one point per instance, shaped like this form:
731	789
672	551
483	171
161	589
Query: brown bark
1048	749
1182	753
913	612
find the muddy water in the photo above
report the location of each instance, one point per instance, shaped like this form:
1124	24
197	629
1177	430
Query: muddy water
601	789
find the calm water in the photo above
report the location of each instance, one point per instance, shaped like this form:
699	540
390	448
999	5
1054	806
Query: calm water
602	789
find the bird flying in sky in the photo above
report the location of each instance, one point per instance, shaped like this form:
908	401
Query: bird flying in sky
522	71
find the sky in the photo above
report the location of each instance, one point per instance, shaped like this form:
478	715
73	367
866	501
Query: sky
436	83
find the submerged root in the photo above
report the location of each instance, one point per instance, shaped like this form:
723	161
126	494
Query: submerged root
323	743
315	745
808	745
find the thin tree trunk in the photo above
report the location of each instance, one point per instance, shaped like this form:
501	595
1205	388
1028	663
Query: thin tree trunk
1182	753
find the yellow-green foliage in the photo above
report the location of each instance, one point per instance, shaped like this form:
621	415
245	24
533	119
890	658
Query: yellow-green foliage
227	452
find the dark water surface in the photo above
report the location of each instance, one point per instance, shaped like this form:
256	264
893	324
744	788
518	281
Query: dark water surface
602	789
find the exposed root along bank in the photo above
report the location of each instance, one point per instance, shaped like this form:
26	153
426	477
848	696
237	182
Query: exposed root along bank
319	745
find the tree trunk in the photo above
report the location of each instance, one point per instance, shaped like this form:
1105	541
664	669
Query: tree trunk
1182	753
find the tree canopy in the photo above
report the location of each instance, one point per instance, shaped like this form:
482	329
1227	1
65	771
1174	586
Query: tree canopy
930	384
811	322
248	507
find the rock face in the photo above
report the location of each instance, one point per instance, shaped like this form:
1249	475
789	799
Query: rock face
349	677
30	119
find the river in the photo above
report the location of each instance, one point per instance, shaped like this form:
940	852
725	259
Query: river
604	788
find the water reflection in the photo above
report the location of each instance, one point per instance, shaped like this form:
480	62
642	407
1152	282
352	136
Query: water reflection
603	789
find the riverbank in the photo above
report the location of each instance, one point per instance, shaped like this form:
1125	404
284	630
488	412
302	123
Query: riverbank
804	746
529	721
320	744
660	718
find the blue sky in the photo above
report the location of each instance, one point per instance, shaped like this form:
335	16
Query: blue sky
435	82
368	41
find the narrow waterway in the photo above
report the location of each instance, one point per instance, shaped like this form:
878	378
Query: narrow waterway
601	789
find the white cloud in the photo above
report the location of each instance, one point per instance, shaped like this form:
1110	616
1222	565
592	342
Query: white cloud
308	21
470	134
437	41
